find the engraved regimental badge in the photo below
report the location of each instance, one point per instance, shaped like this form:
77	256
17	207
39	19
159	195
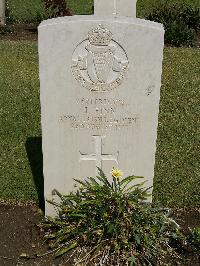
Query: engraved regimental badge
99	63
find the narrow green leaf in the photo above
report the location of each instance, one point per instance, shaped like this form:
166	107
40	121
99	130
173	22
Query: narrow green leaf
103	177
24	256
129	179
87	202
94	181
135	186
132	261
65	250
77	215
81	182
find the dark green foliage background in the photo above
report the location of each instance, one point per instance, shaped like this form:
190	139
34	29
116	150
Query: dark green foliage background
177	175
181	18
181	23
32	10
144	7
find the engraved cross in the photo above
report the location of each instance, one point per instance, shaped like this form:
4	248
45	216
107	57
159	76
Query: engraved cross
98	156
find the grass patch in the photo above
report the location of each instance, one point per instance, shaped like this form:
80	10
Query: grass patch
19	116
25	11
177	178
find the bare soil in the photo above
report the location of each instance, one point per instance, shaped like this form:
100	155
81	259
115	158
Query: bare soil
20	234
19	32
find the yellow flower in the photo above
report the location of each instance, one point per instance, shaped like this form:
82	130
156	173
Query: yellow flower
117	173
81	187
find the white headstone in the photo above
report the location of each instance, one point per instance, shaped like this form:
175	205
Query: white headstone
125	8
2	13
100	90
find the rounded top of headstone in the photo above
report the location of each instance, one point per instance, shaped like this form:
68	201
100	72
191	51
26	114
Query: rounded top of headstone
99	36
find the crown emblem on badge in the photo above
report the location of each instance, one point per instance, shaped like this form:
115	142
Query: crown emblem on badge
100	36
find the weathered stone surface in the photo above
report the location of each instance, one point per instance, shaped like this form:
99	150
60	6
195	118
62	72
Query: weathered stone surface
2	13
125	8
100	90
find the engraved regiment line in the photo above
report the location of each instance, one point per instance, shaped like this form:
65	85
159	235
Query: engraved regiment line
98	156
98	122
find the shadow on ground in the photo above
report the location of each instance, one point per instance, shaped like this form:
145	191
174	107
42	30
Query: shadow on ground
34	153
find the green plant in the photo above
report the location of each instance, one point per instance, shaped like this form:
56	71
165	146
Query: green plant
60	7
24	11
110	223
191	16
178	34
181	22
5	30
194	238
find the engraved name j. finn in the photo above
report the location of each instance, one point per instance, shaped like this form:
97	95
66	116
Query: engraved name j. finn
99	63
